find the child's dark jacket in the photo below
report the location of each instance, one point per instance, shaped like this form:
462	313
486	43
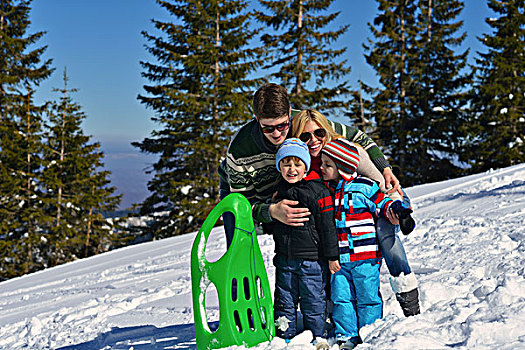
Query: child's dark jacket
317	238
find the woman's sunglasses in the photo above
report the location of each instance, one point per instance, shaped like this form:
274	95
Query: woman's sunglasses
271	128
306	136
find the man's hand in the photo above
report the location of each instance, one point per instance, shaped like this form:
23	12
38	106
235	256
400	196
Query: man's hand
284	212
334	266
391	181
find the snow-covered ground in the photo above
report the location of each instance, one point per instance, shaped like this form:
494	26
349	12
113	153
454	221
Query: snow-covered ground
468	252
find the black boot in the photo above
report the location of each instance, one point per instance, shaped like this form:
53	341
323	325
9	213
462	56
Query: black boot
409	302
407	294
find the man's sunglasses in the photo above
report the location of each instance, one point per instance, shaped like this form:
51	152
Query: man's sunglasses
306	136
271	128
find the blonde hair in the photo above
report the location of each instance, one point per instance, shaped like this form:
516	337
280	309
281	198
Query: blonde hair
300	119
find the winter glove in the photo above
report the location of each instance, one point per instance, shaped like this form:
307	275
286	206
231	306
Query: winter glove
406	222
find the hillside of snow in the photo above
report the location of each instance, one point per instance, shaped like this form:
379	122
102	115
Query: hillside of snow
468	252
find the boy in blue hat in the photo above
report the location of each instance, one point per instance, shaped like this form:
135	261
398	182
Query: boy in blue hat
302	252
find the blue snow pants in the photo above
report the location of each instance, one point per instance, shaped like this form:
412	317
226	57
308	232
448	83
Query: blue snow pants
299	281
356	297
390	245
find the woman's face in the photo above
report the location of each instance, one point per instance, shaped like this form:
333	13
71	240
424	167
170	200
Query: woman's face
316	143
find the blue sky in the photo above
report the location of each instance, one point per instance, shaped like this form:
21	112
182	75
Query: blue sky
100	45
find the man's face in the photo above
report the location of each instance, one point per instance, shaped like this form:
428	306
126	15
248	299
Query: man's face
275	130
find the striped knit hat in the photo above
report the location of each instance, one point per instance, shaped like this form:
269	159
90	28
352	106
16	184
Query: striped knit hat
345	156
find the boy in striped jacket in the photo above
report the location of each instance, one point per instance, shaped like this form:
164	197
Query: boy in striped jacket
355	277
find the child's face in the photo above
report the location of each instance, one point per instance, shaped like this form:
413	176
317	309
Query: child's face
328	168
292	170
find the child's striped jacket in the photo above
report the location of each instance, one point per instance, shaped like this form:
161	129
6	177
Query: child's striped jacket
357	203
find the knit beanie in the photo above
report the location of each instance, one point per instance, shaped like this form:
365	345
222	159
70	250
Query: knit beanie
345	156
293	148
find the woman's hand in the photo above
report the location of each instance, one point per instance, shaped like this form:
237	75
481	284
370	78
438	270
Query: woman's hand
392	217
284	212
391	181
334	266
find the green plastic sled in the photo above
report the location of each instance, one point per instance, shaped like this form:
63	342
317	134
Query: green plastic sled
243	290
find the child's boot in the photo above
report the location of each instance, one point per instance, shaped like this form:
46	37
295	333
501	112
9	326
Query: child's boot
350	343
321	344
407	294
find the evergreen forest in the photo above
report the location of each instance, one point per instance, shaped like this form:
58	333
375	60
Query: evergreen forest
435	114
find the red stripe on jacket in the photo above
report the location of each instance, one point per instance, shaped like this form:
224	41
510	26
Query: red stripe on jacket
325	204
365	256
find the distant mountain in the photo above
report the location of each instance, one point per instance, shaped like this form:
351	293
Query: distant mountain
128	171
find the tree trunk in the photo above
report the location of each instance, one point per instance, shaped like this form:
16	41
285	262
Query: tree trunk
28	188
429	23
402	91
299	78
90	220
62	152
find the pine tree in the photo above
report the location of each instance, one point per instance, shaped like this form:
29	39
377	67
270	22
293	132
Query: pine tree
497	123
24	208
18	68
77	191
359	111
419	108
389	54
96	233
439	100
302	53
200	92
21	70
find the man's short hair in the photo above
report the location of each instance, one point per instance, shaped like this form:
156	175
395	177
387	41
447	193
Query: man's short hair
271	102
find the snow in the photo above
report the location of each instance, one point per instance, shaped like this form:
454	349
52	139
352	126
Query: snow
467	251
186	189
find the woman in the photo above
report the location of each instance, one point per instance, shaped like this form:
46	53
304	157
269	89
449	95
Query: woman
316	131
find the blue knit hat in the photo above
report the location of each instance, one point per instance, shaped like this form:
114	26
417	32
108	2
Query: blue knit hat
293	148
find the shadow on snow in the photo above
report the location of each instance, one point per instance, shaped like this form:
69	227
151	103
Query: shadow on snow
143	338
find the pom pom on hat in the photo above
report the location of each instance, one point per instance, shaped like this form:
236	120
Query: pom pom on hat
293	148
345	156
